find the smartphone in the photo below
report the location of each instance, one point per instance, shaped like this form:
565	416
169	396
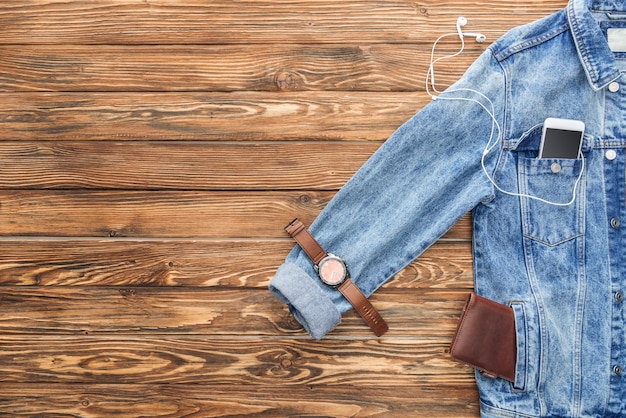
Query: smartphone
561	138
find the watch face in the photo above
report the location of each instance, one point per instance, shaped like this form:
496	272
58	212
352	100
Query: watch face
332	271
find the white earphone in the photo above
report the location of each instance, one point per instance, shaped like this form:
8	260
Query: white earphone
461	21
430	75
487	105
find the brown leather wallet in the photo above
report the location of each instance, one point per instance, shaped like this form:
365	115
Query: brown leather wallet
333	272
485	338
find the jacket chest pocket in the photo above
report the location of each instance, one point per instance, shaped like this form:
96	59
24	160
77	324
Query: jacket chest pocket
552	201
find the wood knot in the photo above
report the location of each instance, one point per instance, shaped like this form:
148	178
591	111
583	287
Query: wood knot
421	9
285	80
285	363
128	293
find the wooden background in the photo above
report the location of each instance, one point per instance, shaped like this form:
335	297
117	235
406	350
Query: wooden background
151	153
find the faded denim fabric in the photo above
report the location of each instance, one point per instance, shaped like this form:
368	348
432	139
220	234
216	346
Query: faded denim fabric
561	268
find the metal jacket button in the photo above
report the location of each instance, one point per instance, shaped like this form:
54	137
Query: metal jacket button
615	223
614	87
619	296
617	370
610	155
555	167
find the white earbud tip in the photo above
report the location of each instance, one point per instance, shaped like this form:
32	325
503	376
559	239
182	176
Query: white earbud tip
461	21
481	38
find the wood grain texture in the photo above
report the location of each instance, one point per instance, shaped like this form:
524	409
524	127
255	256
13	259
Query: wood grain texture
209	312
215	362
163	214
258	22
151	153
238	116
190	166
183	68
203	263
166	400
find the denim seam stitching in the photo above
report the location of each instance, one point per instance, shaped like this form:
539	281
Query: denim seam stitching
529	43
581	46
580	311
548	244
541	321
526	355
499	166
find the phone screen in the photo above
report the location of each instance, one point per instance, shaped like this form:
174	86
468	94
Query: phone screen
561	143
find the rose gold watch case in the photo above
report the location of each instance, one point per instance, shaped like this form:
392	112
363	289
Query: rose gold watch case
332	270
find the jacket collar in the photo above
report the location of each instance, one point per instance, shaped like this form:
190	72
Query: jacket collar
593	49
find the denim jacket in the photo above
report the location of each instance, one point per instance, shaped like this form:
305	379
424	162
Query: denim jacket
561	268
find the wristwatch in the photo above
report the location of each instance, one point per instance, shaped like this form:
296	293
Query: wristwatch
333	271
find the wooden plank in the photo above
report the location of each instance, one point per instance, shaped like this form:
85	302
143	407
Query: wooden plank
224	264
163	214
239	116
213	361
181	165
209	312
173	214
235	22
459	401
224	68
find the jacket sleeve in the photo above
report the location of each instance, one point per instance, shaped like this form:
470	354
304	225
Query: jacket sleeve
418	184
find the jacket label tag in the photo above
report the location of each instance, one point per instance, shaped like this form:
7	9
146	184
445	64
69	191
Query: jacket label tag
617	39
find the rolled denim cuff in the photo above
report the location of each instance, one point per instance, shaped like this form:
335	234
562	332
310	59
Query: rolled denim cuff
306	300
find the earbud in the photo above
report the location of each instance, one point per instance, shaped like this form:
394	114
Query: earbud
461	21
480	38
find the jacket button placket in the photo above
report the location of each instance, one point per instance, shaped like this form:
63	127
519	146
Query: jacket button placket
615	175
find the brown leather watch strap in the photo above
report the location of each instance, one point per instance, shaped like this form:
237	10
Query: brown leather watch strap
298	231
363	306
305	240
